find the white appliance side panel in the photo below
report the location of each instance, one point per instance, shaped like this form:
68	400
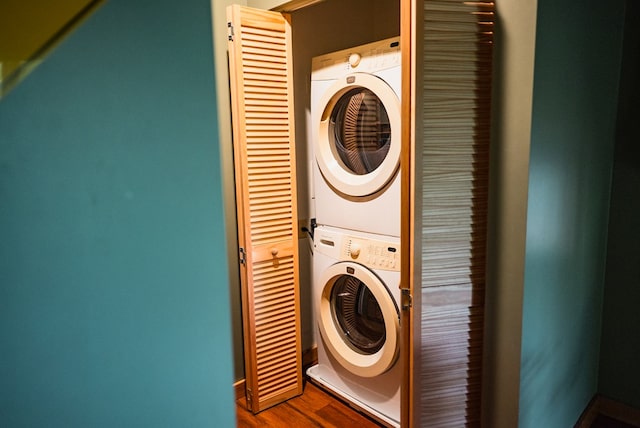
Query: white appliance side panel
381	215
382	393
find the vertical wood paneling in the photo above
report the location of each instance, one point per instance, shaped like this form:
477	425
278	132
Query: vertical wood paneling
456	68
264	150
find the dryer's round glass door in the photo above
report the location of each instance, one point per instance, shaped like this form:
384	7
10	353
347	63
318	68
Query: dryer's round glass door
358	314
360	131
357	144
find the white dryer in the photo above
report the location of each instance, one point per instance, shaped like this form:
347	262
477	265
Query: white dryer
356	296
355	120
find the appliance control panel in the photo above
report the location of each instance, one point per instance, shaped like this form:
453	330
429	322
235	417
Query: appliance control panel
369	58
381	255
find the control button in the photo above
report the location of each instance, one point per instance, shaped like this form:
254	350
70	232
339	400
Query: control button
354	60
355	251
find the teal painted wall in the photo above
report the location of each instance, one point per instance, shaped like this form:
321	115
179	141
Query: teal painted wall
578	51
113	274
619	370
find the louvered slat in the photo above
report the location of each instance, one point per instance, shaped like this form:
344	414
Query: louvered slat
262	99
456	96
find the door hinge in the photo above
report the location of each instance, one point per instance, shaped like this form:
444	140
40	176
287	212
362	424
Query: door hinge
230	31
242	255
249	399
406	300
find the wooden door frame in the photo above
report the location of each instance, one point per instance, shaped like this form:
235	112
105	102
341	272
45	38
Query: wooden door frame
410	268
411	108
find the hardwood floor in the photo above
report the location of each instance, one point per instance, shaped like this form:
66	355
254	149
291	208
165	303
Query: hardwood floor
314	408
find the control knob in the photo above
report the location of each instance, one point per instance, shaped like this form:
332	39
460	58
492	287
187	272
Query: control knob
355	251
354	60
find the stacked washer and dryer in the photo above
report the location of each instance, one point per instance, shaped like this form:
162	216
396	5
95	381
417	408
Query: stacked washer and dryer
355	120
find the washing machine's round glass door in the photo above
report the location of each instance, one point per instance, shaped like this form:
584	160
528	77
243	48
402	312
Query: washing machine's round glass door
358	141
358	319
357	314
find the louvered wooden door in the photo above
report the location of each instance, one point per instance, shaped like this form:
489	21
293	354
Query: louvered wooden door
264	151
447	53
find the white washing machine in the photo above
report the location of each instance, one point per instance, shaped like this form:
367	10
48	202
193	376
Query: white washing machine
356	294
355	133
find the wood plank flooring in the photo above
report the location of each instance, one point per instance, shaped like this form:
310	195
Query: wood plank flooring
314	408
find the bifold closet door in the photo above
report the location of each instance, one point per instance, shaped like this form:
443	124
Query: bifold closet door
264	155
447	48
